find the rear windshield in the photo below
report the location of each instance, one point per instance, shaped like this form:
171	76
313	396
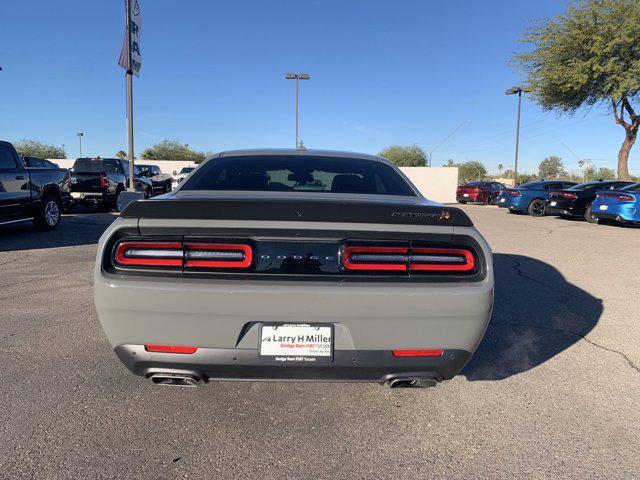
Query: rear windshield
532	186
632	188
187	170
299	173
590	186
96	165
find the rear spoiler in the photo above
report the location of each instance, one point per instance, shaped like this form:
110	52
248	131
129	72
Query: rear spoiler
296	210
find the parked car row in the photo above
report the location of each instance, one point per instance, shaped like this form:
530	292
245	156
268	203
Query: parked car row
33	188
602	201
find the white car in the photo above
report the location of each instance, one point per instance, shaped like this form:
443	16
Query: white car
178	177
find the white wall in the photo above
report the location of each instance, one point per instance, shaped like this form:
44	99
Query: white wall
435	183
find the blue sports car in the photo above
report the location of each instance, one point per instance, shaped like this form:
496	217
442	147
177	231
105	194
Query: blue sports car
619	206
530	197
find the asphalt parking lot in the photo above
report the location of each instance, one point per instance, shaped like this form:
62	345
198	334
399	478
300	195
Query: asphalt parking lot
553	391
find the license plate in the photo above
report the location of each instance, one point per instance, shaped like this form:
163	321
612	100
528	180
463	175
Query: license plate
553	204
604	207
297	342
465	194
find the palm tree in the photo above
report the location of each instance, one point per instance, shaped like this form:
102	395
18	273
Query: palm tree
500	167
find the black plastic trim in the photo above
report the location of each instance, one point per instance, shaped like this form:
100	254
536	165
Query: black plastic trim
247	364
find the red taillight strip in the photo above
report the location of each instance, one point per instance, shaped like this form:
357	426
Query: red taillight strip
412	259
417	353
194	250
170	349
155	249
350	265
618	196
465	255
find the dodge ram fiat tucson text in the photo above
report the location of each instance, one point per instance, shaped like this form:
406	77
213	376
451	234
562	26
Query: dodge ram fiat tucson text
294	265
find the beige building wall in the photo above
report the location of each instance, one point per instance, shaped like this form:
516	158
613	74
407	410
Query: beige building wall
435	183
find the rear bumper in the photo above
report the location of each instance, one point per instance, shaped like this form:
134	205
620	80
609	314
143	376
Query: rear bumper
247	364
616	217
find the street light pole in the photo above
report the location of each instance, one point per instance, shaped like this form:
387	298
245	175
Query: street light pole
297	77
80	135
64	152
445	139
512	91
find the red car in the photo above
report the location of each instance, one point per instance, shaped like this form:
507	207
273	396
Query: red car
484	192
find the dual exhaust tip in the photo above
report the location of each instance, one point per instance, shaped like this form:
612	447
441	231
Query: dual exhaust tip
412	382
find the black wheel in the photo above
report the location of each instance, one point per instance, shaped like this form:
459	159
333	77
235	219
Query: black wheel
537	208
488	200
49	213
464	202
589	216
148	192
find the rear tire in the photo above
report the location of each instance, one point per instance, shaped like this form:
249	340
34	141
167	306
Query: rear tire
49	213
537	208
488	200
589	217
464	202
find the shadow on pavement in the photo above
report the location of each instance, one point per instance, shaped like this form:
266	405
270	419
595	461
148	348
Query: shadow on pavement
537	314
82	228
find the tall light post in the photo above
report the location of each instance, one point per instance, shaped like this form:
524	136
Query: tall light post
297	77
465	122
80	135
512	91
64	152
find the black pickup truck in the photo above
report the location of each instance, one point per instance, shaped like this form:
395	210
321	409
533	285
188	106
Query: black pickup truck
99	181
26	193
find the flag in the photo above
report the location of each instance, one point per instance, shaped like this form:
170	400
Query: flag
131	58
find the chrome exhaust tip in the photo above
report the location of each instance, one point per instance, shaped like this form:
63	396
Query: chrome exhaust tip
175	379
412	382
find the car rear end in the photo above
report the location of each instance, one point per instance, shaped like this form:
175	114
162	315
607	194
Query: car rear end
90	182
621	206
470	193
564	202
293	286
510	198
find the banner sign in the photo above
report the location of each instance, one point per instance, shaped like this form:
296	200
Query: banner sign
130	56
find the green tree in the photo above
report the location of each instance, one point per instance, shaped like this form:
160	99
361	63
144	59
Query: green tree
500	167
121	154
527	177
603	173
172	150
35	148
551	168
589	55
472	170
411	156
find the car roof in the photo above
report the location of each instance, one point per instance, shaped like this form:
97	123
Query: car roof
295	152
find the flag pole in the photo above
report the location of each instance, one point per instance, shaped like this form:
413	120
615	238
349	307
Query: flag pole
129	76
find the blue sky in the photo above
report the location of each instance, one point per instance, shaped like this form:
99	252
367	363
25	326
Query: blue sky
382	73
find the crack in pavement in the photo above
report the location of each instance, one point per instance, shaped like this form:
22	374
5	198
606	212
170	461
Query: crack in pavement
517	266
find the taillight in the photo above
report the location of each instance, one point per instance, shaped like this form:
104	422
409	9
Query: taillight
513	193
170	349
441	260
618	196
375	258
172	254
563	194
104	181
431	259
217	255
145	254
417	353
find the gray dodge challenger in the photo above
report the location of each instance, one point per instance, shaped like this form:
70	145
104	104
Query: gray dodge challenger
294	265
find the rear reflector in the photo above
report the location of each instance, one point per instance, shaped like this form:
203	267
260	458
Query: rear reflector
513	193
433	259
417	353
169	349
563	194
